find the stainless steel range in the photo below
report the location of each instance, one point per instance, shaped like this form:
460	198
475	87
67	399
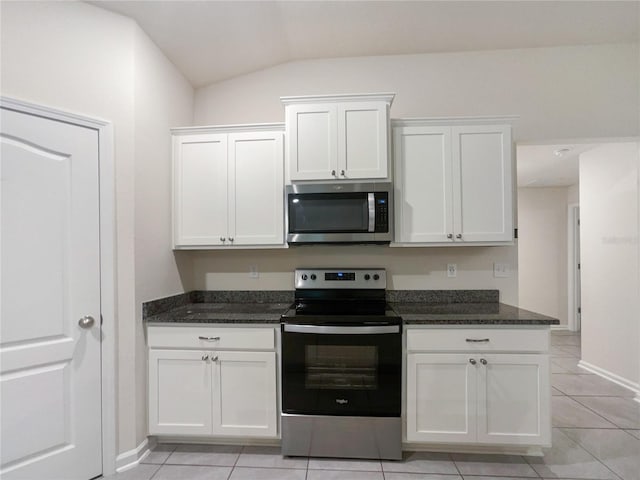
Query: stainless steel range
341	367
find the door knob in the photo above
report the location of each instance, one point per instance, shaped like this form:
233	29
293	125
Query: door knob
86	321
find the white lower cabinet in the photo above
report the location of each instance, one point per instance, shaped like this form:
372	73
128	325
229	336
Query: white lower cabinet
244	394
209	391
479	396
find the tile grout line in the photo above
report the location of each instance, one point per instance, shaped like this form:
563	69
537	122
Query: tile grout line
592	410
233	467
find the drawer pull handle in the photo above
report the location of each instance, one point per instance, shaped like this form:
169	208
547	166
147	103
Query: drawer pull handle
209	339
483	361
477	340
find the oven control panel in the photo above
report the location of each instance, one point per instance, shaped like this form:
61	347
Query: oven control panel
321	278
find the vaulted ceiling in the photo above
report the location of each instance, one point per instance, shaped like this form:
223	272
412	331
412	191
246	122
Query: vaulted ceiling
212	40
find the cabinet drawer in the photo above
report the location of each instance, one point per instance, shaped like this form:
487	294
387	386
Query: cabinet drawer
212	337
478	339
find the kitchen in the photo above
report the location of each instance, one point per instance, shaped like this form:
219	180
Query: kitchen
128	81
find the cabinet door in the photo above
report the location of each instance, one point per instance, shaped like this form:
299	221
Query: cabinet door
423	201
200	189
256	188
362	140
244	394
179	393
311	133
482	193
441	398
513	399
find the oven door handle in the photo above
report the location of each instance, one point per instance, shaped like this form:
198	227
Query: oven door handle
336	330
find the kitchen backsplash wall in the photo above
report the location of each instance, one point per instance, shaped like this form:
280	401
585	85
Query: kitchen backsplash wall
407	268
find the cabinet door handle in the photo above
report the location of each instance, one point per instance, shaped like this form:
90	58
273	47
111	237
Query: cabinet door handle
222	239
342	172
483	361
477	340
205	358
449	235
333	173
472	361
209	339
459	235
214	359
231	239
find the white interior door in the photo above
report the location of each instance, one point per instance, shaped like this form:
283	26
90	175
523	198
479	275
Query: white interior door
50	377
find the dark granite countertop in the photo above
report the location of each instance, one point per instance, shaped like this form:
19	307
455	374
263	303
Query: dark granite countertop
490	313
222	313
416	307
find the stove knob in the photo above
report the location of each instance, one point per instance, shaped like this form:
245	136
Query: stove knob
313	276
376	277
367	276
304	276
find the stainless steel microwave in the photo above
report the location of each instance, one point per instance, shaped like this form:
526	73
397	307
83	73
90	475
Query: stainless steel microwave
339	213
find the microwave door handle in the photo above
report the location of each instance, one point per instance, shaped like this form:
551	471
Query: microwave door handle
372	212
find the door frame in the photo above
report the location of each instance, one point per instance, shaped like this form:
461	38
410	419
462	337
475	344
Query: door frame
107	260
573	249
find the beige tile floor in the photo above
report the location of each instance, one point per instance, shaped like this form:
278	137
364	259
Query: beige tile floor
596	436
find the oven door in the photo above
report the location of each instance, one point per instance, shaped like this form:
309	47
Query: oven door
342	370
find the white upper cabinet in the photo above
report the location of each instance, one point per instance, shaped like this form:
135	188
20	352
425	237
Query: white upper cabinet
342	137
453	183
228	187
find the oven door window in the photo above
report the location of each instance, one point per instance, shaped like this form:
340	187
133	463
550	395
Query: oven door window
351	375
341	367
328	213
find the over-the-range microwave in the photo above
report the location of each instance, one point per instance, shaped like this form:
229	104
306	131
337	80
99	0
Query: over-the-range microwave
339	213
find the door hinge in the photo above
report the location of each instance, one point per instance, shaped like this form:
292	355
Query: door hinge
515	233
579	267
579	309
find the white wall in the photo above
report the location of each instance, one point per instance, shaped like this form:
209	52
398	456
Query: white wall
609	202
407	268
542	250
563	92
558	93
80	58
163	98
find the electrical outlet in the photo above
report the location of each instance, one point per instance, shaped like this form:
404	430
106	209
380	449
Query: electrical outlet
452	270
253	271
501	270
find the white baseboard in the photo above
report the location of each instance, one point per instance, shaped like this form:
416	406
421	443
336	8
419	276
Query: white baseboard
132	458
623	382
560	328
